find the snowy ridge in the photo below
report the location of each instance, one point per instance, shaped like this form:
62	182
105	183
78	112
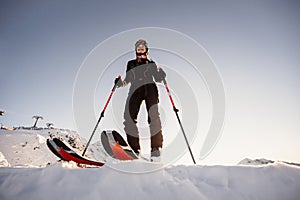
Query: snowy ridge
27	148
30	171
260	161
263	161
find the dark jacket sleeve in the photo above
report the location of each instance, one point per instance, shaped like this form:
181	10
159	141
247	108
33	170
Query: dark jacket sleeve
129	73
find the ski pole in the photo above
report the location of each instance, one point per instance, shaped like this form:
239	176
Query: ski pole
102	114
176	112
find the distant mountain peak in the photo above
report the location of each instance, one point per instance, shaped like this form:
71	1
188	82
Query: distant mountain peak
262	161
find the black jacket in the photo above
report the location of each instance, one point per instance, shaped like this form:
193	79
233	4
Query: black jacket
144	71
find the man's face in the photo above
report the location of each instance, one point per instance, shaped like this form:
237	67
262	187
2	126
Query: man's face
141	49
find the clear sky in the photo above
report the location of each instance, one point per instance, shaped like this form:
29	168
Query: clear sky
255	45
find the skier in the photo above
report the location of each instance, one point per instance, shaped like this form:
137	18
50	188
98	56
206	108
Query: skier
140	73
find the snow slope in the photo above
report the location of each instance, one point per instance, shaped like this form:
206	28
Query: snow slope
276	181
40	176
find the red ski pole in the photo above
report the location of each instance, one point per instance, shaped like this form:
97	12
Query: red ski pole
176	112
102	114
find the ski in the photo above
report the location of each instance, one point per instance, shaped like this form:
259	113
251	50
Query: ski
116	147
61	150
54	148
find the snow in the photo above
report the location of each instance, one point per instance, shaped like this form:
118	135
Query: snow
3	161
30	171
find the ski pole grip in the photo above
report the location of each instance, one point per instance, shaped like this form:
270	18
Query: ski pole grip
116	81
118	78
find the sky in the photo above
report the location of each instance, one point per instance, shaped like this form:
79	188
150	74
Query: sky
254	45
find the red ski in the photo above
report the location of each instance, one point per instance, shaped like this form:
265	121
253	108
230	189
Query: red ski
60	149
116	146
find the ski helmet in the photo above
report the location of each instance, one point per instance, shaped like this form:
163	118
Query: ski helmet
143	43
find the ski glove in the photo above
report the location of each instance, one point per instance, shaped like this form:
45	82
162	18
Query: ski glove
161	74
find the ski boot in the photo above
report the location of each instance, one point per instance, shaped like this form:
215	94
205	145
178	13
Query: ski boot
155	154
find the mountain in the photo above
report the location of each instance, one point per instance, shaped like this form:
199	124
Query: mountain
260	161
263	161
